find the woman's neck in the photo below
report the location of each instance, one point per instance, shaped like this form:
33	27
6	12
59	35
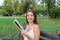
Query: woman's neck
30	24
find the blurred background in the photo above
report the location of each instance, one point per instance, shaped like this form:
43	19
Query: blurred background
48	16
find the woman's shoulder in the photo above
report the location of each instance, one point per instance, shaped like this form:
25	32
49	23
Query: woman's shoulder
36	26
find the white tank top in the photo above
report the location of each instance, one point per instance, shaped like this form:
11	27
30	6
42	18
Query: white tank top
31	34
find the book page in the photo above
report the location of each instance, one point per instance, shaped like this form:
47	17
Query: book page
18	24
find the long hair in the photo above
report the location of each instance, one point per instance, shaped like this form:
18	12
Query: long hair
35	16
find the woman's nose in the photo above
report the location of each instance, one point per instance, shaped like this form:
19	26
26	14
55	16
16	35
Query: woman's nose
30	16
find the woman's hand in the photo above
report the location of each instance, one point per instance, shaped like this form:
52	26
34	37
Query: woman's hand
23	33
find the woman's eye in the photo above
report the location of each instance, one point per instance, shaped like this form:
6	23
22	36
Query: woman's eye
27	15
31	15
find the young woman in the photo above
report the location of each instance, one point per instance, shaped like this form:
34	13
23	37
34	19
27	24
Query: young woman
32	31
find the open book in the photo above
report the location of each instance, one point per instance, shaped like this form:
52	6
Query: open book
18	25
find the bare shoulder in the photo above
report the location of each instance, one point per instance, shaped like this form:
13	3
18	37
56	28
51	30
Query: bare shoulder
36	26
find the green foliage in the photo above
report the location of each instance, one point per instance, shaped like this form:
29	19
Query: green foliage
49	1
40	9
55	12
12	7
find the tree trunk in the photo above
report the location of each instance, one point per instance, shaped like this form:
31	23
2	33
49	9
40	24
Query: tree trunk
48	8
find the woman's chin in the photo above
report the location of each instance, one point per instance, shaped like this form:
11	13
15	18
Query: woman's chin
30	21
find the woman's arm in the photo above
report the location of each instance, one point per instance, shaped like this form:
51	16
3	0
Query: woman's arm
36	33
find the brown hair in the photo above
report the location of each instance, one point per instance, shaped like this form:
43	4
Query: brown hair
35	16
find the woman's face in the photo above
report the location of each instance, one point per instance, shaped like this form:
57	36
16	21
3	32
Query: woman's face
30	17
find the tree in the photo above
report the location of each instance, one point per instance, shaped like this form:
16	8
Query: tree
16	7
49	3
13	7
7	8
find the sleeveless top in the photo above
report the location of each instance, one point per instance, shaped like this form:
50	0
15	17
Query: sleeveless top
31	34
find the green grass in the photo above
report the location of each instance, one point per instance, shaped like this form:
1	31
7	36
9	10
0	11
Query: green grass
49	26
9	30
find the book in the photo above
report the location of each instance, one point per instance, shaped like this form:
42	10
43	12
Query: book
18	25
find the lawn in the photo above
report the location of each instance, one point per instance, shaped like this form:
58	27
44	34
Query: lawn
9	30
